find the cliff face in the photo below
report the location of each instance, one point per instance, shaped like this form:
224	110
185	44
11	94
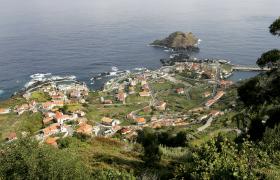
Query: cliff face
178	40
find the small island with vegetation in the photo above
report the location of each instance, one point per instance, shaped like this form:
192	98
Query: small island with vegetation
178	41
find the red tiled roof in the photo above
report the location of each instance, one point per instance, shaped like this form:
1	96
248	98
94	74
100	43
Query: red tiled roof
52	141
58	115
47	120
141	120
52	127
11	136
85	128
2	110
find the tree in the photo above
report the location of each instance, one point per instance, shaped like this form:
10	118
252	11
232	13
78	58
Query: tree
170	140
250	93
26	159
222	159
112	174
269	142
256	129
149	141
180	139
261	94
270	59
275	27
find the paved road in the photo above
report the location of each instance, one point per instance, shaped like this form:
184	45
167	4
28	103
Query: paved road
206	125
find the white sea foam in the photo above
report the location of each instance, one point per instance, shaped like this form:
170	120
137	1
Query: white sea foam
40	77
114	73
115	69
139	69
1	91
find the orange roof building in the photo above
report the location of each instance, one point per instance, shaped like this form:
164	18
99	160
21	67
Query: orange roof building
125	131
58	103
47	120
225	83
215	98
11	136
52	129
85	129
47	105
51	104
52	141
140	121
109	122
60	117
4	111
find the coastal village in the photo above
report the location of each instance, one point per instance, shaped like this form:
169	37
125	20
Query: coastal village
177	95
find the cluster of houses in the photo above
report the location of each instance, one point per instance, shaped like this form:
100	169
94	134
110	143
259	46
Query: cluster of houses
128	87
206	69
129	132
145	89
138	120
142	80
54	119
224	84
31	106
202	113
158	123
202	69
58	122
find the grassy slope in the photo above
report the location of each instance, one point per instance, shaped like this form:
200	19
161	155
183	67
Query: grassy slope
105	153
13	123
40	96
95	110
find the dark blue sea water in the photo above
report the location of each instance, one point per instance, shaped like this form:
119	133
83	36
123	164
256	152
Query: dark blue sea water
86	37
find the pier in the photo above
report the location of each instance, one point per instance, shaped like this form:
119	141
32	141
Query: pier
248	68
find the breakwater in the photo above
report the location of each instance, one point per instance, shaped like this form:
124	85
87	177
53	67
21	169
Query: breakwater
248	68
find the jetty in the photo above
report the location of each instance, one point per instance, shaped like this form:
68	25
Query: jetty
248	68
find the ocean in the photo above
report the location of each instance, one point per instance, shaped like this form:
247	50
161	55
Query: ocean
87	37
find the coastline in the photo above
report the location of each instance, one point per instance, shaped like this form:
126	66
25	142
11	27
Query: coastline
112	74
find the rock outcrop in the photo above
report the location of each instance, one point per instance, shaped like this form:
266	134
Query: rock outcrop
178	41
